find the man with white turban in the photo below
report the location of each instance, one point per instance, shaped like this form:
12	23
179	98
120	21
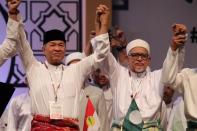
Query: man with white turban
136	83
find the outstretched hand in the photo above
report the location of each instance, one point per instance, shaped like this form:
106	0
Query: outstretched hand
179	36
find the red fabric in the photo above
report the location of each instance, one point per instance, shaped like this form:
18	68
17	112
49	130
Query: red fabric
42	123
89	112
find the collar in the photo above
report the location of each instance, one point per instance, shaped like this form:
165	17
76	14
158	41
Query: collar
53	67
139	75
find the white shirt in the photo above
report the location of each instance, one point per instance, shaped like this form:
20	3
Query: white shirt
146	89
41	90
176	117
184	81
4	120
109	103
8	47
19	113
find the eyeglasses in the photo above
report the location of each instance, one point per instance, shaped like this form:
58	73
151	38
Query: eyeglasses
144	56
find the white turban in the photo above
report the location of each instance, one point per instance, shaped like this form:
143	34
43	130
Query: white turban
138	43
74	56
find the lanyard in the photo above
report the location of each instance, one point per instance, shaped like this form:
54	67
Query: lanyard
58	86
136	89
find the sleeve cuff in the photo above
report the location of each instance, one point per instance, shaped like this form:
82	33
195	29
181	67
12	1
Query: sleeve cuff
173	53
102	37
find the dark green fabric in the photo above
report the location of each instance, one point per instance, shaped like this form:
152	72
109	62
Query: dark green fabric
192	126
127	124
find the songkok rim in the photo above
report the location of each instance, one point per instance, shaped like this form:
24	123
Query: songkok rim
74	56
138	43
53	35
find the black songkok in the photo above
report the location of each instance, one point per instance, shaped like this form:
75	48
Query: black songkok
53	35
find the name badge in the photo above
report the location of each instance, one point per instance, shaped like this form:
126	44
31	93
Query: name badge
56	110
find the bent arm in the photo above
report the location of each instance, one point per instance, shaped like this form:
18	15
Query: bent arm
171	68
87	64
23	45
8	47
7	50
109	66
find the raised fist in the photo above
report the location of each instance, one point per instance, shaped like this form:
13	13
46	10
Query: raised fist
179	36
13	6
102	19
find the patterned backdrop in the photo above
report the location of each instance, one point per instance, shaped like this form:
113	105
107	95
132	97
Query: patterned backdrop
40	16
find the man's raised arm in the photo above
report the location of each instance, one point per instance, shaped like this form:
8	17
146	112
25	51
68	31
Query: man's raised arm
175	57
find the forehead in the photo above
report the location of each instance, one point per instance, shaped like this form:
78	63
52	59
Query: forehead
56	42
139	50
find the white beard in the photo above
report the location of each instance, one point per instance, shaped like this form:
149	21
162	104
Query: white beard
140	70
